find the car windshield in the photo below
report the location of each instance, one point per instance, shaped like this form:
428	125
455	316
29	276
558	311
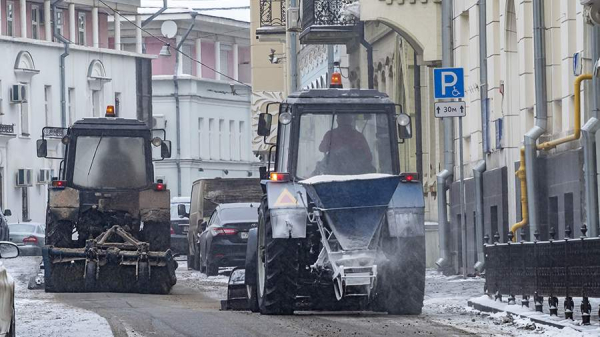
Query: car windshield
175	213
22	228
240	214
344	144
110	162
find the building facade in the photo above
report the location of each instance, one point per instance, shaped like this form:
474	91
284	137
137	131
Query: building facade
211	100
95	76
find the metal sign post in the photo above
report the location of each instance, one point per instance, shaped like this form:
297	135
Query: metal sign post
449	83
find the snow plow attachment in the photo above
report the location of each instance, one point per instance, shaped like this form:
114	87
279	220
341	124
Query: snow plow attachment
113	262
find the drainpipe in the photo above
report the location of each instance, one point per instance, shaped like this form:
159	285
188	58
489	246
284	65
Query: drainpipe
418	115
483	77
369	47
177	108
541	122
478	175
446	175
63	56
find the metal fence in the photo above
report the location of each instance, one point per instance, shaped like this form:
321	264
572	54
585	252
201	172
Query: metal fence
568	268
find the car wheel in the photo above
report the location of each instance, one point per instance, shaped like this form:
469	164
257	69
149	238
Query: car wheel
212	269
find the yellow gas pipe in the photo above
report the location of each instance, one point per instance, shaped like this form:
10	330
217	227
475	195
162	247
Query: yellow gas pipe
548	146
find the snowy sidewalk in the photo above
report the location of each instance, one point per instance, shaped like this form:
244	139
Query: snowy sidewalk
39	314
446	300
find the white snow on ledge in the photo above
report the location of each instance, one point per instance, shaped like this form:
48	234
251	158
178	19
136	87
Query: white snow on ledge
331	178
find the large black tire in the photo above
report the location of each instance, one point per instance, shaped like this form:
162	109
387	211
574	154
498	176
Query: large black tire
401	281
59	234
211	269
90	276
278	265
252	298
158	235
191	261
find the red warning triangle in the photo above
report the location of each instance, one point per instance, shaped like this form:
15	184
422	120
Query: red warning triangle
286	199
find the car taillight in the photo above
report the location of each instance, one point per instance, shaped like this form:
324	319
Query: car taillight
223	231
59	184
30	239
409	177
160	187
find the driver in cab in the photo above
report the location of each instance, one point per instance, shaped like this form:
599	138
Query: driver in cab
346	149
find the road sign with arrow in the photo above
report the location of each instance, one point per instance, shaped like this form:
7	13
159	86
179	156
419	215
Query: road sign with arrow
450	109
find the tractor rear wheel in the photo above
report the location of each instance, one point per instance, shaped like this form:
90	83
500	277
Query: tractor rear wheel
401	281
277	269
90	276
59	234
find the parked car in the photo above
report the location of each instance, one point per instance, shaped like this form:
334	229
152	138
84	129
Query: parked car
206	195
4	231
8	250
29	236
223	242
179	226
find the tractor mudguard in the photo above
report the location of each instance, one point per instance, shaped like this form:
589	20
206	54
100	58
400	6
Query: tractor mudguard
251	255
287	205
406	212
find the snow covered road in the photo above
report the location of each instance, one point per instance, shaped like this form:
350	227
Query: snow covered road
192	309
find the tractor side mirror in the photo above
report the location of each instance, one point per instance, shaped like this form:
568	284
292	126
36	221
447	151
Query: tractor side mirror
7	212
42	148
182	212
264	124
404	126
165	149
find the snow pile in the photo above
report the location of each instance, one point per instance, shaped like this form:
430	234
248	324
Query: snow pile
214	287
39	314
338	178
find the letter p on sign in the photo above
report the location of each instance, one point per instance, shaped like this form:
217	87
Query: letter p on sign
449	83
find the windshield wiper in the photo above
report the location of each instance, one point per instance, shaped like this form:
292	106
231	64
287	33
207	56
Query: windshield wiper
95	151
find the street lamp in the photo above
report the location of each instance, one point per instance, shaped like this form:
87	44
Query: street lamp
165	50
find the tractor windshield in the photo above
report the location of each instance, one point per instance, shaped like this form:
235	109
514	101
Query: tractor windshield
344	144
110	162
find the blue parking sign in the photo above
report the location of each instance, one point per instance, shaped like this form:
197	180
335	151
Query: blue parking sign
449	83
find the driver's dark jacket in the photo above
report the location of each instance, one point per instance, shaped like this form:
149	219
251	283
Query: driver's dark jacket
347	151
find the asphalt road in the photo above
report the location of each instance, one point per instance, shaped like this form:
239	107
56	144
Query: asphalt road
191	310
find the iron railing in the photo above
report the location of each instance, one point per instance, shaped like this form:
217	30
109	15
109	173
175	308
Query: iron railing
325	13
272	13
568	268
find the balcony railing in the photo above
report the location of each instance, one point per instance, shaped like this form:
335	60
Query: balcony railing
272	15
324	22
325	13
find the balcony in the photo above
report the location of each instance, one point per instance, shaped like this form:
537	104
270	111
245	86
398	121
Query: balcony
328	22
272	19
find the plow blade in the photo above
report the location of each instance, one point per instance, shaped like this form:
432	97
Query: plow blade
102	266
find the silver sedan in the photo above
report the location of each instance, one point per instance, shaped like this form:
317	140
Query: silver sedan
29	236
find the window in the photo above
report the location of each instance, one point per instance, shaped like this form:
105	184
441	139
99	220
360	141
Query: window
232	142
25	204
222	147
35	22
10	17
59	21
48	104
25	118
96	155
71	107
241	141
201	153
211	138
225	50
569	212
96	103
81	29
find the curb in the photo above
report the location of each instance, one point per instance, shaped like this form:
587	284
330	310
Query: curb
481	307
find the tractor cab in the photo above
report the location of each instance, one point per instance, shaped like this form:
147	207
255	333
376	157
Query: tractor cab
337	132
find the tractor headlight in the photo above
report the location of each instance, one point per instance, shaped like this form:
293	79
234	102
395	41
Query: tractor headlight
403	120
156	141
285	118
